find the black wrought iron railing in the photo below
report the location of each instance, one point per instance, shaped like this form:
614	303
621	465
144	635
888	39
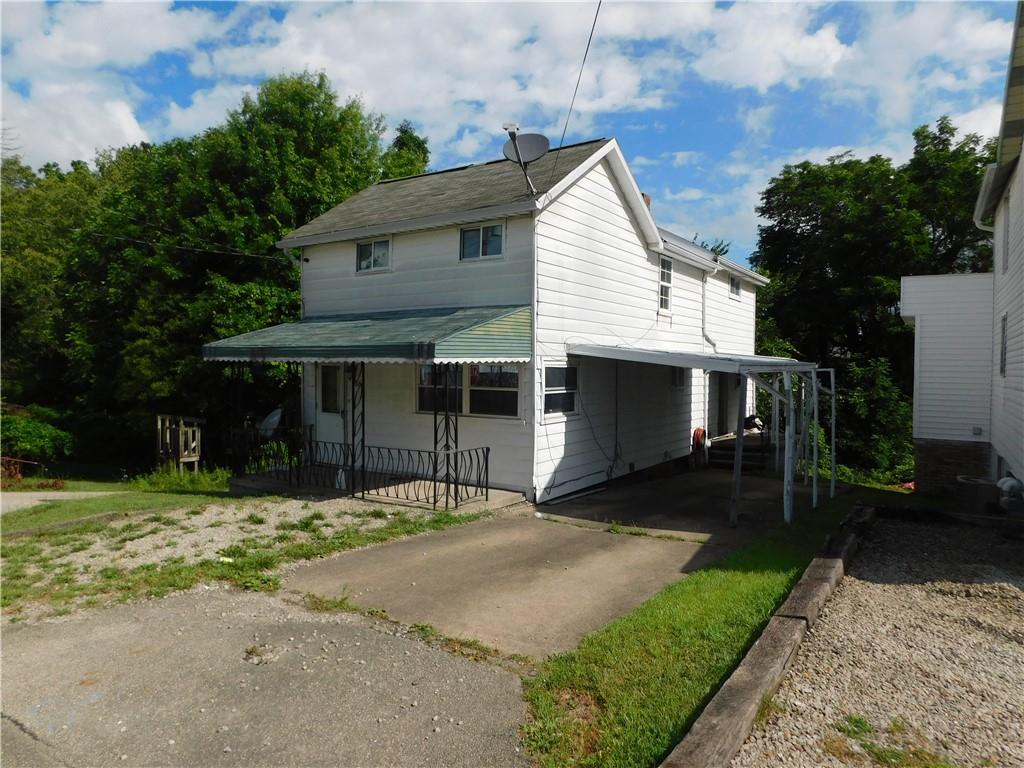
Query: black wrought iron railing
293	457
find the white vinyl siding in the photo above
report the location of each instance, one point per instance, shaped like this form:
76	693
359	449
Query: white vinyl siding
425	271
597	284
1008	299
953	354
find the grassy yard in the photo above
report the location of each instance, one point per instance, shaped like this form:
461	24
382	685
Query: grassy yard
630	691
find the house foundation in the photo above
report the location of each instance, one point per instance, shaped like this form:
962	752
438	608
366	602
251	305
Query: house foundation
938	462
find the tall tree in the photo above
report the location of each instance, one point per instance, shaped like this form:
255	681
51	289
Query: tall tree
838	236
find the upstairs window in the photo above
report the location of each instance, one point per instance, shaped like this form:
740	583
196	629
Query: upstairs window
561	384
665	286
735	287
482	242
493	390
373	256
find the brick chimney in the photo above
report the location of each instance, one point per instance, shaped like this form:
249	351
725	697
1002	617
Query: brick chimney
647	199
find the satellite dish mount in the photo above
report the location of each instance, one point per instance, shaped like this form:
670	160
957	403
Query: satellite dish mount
524	149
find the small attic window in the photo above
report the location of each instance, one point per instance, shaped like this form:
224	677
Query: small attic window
735	287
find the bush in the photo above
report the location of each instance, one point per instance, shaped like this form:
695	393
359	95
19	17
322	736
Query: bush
25	437
167	480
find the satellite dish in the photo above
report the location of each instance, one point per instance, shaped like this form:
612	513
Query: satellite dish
532	146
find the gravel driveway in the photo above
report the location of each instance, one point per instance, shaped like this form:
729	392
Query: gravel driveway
918	655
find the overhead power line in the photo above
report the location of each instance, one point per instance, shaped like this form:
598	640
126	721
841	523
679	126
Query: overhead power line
575	90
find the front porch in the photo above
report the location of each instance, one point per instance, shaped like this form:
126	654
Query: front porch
382	396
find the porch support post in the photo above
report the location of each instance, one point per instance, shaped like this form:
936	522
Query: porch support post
787	476
835	463
446	430
775	423
814	440
737	461
805	424
357	374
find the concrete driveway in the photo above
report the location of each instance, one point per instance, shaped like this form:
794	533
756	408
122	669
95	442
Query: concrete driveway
518	583
173	682
12	500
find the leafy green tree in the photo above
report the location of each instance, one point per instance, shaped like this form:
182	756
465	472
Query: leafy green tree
172	246
838	236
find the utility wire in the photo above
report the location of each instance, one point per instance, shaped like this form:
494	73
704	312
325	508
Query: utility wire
574	92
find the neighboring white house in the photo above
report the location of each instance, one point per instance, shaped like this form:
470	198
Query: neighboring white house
528	302
969	343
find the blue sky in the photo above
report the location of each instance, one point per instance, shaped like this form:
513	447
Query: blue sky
708	101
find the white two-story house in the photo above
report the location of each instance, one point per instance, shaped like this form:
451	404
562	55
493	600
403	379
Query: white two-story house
969	329
455	309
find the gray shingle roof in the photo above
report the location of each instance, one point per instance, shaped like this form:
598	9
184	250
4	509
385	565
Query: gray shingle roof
499	182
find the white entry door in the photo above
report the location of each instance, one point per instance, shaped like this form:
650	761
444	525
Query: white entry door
330	413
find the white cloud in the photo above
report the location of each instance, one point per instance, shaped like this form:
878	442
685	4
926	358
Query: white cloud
982	120
758	120
208	107
684	157
689	193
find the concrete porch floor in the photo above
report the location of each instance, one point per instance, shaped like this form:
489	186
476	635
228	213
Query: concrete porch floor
536	586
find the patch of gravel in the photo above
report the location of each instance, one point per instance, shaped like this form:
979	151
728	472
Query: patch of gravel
925	639
200	534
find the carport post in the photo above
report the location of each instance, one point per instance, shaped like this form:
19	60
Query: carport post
832	386
737	461
775	422
787	477
814	439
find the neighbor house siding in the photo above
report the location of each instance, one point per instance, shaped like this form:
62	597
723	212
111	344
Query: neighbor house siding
598	284
1008	298
952	317
425	272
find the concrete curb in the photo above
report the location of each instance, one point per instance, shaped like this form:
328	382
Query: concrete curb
723	726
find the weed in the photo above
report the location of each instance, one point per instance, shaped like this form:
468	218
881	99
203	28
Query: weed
838	747
898	725
854	726
377	514
766	710
255	519
329	604
615	527
424	631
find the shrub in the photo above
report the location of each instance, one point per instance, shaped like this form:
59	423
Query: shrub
167	480
25	437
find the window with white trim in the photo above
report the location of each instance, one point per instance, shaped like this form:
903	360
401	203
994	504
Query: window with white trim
1002	347
665	286
494	390
425	399
735	287
561	387
483	242
373	256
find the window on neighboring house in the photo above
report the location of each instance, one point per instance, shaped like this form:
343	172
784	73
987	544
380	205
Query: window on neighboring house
374	256
330	389
561	384
734	287
1006	235
678	377
665	286
493	390
1002	347
481	242
425	388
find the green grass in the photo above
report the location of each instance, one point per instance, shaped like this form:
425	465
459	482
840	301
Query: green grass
54	513
630	691
854	726
858	729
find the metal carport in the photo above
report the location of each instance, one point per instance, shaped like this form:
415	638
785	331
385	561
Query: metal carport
764	372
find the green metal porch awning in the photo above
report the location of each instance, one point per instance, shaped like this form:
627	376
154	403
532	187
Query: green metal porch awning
438	334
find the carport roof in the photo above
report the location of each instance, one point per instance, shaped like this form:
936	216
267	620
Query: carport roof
724	363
